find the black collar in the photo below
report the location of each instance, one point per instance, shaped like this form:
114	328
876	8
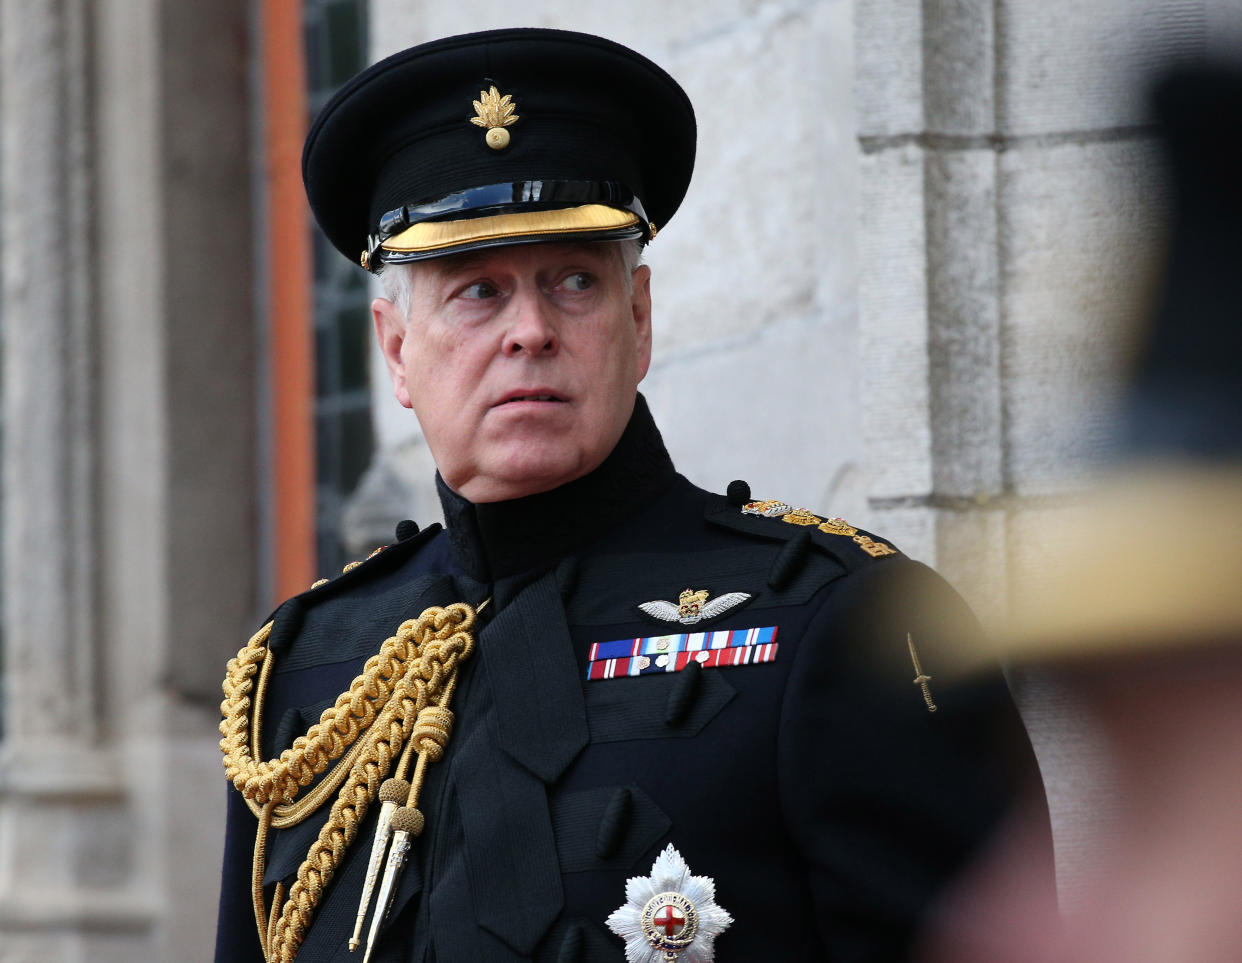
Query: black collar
497	539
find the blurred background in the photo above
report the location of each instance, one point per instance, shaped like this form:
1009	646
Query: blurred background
902	289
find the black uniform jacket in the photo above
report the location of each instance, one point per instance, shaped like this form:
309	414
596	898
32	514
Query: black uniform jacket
827	802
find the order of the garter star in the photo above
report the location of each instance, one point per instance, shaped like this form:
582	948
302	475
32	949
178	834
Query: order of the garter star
669	915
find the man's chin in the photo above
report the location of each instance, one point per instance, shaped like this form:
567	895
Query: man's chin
527	472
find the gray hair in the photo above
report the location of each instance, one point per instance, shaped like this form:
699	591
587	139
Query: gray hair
397	283
397	280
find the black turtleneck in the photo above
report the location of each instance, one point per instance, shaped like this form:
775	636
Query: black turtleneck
497	539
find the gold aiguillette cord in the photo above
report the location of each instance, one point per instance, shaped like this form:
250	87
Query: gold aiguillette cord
399	704
406	821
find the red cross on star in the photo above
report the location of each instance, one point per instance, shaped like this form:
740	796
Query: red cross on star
670	919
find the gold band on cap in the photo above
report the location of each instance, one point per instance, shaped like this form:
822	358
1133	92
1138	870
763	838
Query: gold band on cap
439	235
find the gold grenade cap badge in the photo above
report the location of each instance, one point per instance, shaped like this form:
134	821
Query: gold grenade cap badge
495	112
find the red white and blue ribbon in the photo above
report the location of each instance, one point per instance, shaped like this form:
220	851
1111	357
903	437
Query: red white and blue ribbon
672	653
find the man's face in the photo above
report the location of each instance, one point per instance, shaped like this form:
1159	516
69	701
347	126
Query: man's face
520	362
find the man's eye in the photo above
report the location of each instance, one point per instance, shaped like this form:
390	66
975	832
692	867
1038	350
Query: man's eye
479	291
578	282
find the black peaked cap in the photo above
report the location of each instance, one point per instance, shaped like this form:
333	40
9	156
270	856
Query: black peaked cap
589	112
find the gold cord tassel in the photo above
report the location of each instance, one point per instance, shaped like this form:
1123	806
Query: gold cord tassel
393	793
406	823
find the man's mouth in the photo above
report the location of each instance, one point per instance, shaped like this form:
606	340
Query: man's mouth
530	396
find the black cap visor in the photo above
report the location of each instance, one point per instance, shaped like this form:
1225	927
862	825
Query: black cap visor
510	213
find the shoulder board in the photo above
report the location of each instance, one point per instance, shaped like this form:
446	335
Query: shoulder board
383	559
851	546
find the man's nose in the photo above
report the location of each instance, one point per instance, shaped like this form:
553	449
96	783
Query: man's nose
532	328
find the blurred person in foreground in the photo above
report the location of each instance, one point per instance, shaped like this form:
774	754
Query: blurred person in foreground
1143	618
606	714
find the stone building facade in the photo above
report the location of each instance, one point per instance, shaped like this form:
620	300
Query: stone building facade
129	467
896	292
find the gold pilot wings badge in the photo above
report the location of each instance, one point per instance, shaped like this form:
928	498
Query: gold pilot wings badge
669	913
693	606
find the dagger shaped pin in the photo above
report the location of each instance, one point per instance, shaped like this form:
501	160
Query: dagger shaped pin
921	678
393	793
405	823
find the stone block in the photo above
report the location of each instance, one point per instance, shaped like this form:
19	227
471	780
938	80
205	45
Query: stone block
1080	227
780	411
963	309
959	66
764	232
1070	66
892	309
970	553
648	26
888	47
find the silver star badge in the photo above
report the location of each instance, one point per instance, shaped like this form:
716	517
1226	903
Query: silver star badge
669	913
693	606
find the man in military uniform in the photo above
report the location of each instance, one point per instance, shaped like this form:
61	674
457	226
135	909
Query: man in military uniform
625	718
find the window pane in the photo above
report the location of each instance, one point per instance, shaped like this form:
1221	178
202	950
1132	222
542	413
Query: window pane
346	40
336	45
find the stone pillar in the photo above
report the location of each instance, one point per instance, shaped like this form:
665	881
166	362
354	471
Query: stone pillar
928	283
61	789
128	456
1007	225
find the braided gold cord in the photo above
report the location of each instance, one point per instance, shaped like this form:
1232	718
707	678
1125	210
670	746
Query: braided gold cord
399	702
278	900
281	779
256	879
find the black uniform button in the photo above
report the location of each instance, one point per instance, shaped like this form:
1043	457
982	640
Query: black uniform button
738	493
614	823
567	575
681	699
573	947
789	560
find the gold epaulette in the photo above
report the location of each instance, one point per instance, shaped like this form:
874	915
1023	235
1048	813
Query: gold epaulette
835	526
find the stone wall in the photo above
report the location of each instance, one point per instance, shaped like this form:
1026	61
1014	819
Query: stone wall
1009	227
128	468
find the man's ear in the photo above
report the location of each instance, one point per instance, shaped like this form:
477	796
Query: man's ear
640	304
390	332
